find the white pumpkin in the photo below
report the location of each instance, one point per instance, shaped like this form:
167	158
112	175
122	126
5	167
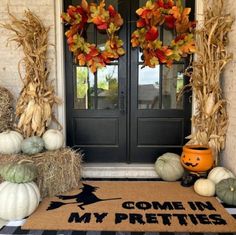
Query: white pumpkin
205	187
220	173
18	200
169	167
10	142
53	139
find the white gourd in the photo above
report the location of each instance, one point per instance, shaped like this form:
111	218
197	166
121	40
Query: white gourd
18	201
169	167
220	173
53	139
204	187
10	142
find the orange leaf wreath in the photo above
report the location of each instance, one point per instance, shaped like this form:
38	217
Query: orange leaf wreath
172	16
109	21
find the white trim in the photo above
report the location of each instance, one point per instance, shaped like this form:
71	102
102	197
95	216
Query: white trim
118	170
60	70
199	9
199	17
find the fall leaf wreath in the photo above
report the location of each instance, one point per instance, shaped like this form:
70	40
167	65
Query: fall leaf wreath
173	16
108	21
168	13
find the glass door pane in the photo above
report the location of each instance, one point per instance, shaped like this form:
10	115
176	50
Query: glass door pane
172	84
84	88
107	87
148	87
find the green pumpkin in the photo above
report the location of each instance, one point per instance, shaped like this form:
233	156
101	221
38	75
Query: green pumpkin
226	191
32	145
18	172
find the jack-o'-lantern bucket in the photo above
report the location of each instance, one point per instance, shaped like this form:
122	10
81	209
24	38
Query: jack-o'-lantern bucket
197	158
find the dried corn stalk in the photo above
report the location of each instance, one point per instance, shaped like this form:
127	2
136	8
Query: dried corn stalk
210	120
37	98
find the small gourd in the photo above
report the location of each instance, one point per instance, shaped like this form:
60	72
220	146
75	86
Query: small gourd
168	167
32	145
204	187
53	139
220	173
10	142
18	172
226	191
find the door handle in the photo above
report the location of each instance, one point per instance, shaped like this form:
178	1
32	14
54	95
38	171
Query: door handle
122	102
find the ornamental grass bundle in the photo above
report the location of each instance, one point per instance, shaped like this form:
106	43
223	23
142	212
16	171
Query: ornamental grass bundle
58	171
6	110
210	120
37	98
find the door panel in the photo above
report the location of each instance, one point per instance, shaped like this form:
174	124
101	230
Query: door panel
90	134
156	132
158	120
96	103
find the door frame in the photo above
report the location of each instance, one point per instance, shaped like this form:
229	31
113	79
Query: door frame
60	58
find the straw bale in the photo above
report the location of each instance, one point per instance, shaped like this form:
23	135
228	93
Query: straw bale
6	110
58	171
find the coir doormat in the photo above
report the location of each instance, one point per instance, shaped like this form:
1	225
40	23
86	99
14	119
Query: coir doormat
132	206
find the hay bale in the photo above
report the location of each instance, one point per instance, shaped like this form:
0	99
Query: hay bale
6	109
58	171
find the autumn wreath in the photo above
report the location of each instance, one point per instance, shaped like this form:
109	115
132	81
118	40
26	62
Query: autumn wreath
173	16
108	21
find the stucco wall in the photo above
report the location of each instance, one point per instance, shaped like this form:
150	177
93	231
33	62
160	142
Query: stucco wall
228	156
10	55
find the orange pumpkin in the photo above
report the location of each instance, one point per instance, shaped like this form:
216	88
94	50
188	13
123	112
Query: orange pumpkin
197	158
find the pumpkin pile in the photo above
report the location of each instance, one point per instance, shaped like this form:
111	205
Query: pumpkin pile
19	195
220	182
12	142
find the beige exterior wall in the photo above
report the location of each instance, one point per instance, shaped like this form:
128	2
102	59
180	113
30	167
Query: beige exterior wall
228	156
46	10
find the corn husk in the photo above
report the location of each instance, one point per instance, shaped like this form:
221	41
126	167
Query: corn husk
210	120
34	108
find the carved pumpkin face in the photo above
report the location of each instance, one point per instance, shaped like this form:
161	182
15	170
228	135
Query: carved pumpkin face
197	158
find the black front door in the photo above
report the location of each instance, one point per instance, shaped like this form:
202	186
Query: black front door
125	113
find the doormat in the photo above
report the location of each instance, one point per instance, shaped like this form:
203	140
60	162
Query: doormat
132	206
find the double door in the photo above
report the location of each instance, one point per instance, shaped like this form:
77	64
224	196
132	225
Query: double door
126	113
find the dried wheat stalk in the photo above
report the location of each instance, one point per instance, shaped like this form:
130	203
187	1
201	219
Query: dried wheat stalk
37	98
210	120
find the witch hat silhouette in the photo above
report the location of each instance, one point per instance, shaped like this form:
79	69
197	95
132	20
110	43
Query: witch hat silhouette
85	197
